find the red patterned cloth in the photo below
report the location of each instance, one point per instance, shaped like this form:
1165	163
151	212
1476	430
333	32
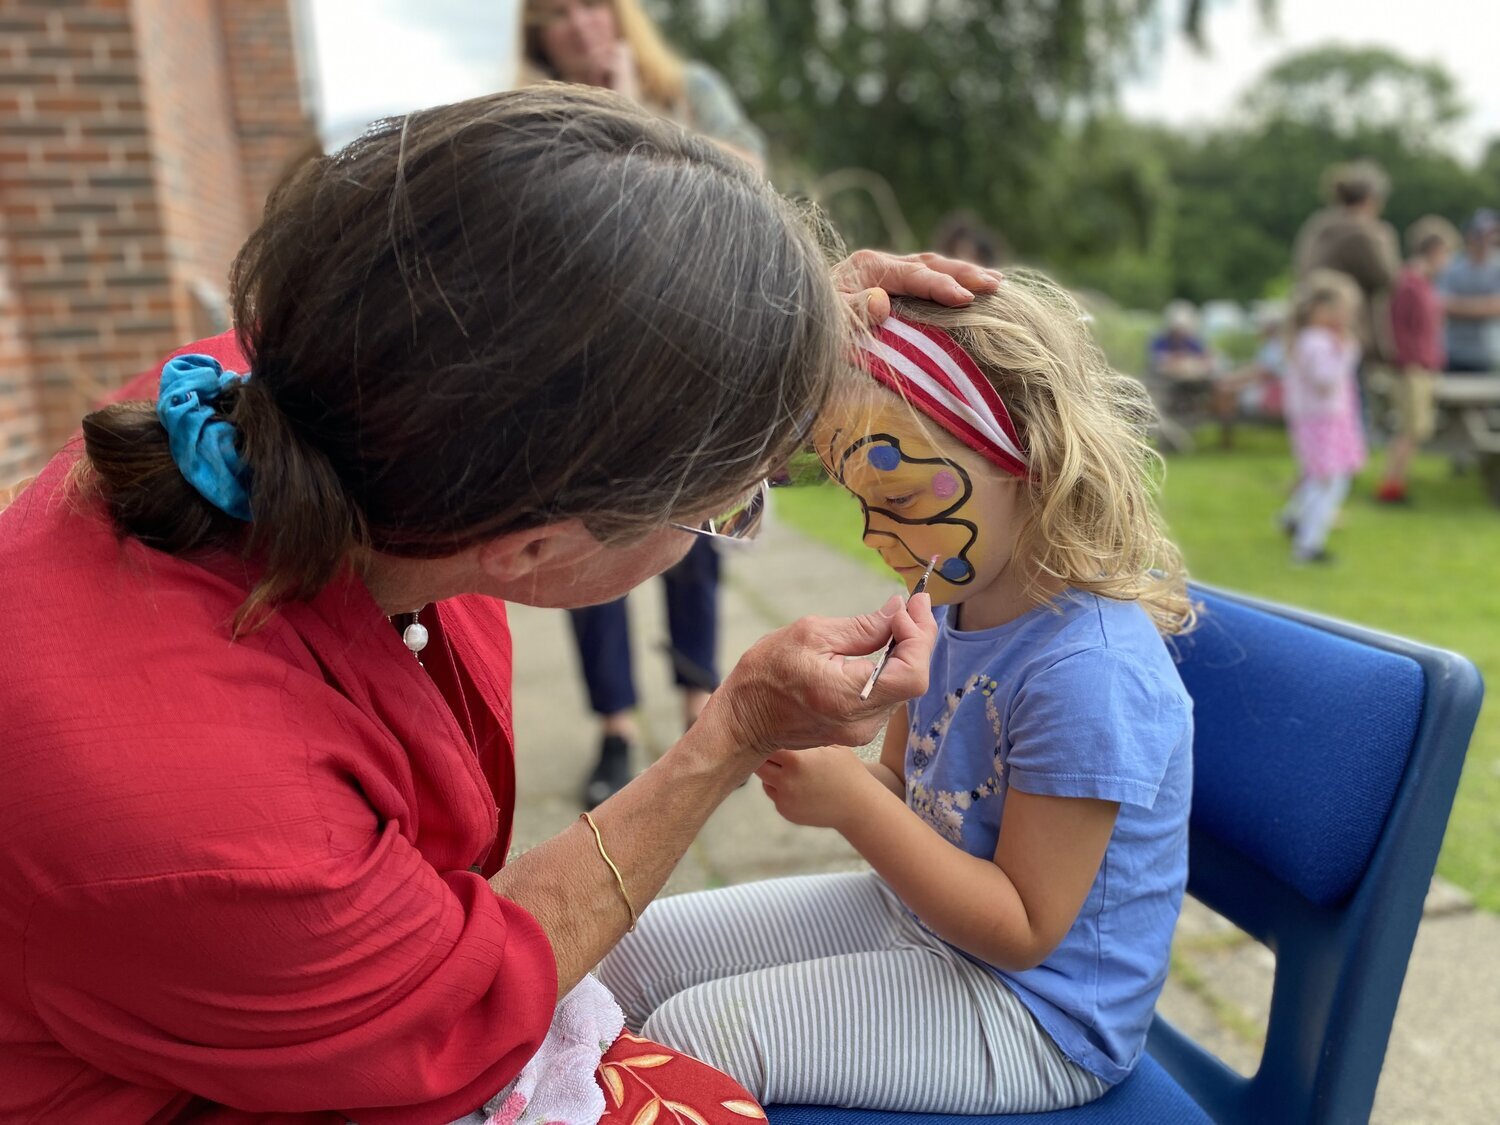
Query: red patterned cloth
645	1083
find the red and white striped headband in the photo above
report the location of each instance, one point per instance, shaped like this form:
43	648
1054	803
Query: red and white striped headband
926	366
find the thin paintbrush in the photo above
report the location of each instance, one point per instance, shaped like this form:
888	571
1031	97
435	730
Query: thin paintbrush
891	647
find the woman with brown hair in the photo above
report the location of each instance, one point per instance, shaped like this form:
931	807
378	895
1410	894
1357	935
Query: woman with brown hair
257	747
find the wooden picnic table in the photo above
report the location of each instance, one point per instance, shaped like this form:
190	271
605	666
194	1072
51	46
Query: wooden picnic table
1473	401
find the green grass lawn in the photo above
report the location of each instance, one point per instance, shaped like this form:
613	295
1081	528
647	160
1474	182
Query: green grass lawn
1428	572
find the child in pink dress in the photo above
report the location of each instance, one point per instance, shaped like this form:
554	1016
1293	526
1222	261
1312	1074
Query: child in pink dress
1322	409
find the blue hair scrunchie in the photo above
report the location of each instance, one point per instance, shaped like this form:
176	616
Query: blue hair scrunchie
202	445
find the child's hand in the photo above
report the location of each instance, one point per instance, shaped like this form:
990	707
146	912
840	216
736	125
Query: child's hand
817	787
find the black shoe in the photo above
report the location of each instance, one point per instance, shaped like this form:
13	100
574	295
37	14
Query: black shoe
611	773
1321	557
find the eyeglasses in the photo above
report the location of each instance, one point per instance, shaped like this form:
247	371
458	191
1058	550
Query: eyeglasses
740	523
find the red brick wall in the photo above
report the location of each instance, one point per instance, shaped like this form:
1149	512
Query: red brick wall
137	138
20	424
273	124
88	256
199	180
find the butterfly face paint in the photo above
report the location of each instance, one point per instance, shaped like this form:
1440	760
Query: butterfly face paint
920	500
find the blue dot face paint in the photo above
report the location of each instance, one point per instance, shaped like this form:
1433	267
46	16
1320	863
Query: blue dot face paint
956	570
884	457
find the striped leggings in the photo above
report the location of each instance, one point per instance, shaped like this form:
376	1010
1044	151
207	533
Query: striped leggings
823	990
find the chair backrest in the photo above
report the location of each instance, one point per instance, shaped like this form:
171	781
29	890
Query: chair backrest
1326	760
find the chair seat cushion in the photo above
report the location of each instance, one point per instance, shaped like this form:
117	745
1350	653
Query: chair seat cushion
1147	1097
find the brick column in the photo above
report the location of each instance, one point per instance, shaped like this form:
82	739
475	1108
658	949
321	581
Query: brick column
271	119
88	257
137	140
20	421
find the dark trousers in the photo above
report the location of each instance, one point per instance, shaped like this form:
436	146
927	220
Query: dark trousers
1460	367
603	634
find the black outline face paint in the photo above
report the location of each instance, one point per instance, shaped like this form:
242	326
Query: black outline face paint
941	518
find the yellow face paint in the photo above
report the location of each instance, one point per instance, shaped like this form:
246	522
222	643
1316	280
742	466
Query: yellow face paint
918	499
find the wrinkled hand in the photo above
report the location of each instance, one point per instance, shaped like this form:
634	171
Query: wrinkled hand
869	278
799	686
813	787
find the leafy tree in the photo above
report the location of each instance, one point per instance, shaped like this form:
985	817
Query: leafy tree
895	112
1243	191
1489	166
1359	91
953	103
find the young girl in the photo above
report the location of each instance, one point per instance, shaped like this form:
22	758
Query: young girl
1322	409
1027	819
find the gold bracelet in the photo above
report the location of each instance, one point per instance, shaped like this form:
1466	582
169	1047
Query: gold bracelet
619	881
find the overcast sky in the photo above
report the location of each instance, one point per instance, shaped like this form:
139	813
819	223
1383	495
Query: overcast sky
387	56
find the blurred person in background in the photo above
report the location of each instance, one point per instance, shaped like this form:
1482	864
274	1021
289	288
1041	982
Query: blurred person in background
1178	352
1180	369
1349	236
1322	408
1470	287
613	44
1417	337
1255	390
964	236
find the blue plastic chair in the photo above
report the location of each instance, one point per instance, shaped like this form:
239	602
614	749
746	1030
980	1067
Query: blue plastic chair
1326	759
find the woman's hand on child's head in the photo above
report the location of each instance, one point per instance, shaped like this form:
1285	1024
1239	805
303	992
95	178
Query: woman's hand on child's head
817	787
869	278
799	686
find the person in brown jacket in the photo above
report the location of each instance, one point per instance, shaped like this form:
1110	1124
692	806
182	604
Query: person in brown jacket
1349	236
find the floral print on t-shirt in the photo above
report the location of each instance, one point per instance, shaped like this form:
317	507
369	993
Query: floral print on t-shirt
944	809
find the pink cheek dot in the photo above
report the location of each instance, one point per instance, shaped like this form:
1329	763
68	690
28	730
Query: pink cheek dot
944	485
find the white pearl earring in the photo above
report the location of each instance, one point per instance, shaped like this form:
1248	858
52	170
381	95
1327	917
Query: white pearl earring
414	637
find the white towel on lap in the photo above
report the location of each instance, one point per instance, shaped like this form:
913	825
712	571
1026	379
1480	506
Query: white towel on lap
557	1085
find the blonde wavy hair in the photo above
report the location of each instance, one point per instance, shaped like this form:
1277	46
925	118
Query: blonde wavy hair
1092	520
659	68
1320	288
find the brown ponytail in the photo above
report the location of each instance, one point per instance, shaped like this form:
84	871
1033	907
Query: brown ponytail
129	466
317	527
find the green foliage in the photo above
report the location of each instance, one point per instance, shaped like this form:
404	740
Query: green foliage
894	112
954	103
1243	191
1122	334
1356	91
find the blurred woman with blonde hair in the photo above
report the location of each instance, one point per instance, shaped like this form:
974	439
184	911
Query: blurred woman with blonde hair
614	44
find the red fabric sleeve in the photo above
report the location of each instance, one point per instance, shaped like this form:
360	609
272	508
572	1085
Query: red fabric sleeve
1406	326
364	982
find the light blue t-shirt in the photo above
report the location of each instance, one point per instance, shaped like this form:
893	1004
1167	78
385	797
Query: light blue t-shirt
1079	698
1472	343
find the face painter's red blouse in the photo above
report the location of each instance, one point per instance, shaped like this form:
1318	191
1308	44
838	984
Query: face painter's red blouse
238	873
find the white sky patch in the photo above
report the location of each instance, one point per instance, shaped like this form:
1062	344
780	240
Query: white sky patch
1186	87
380	57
